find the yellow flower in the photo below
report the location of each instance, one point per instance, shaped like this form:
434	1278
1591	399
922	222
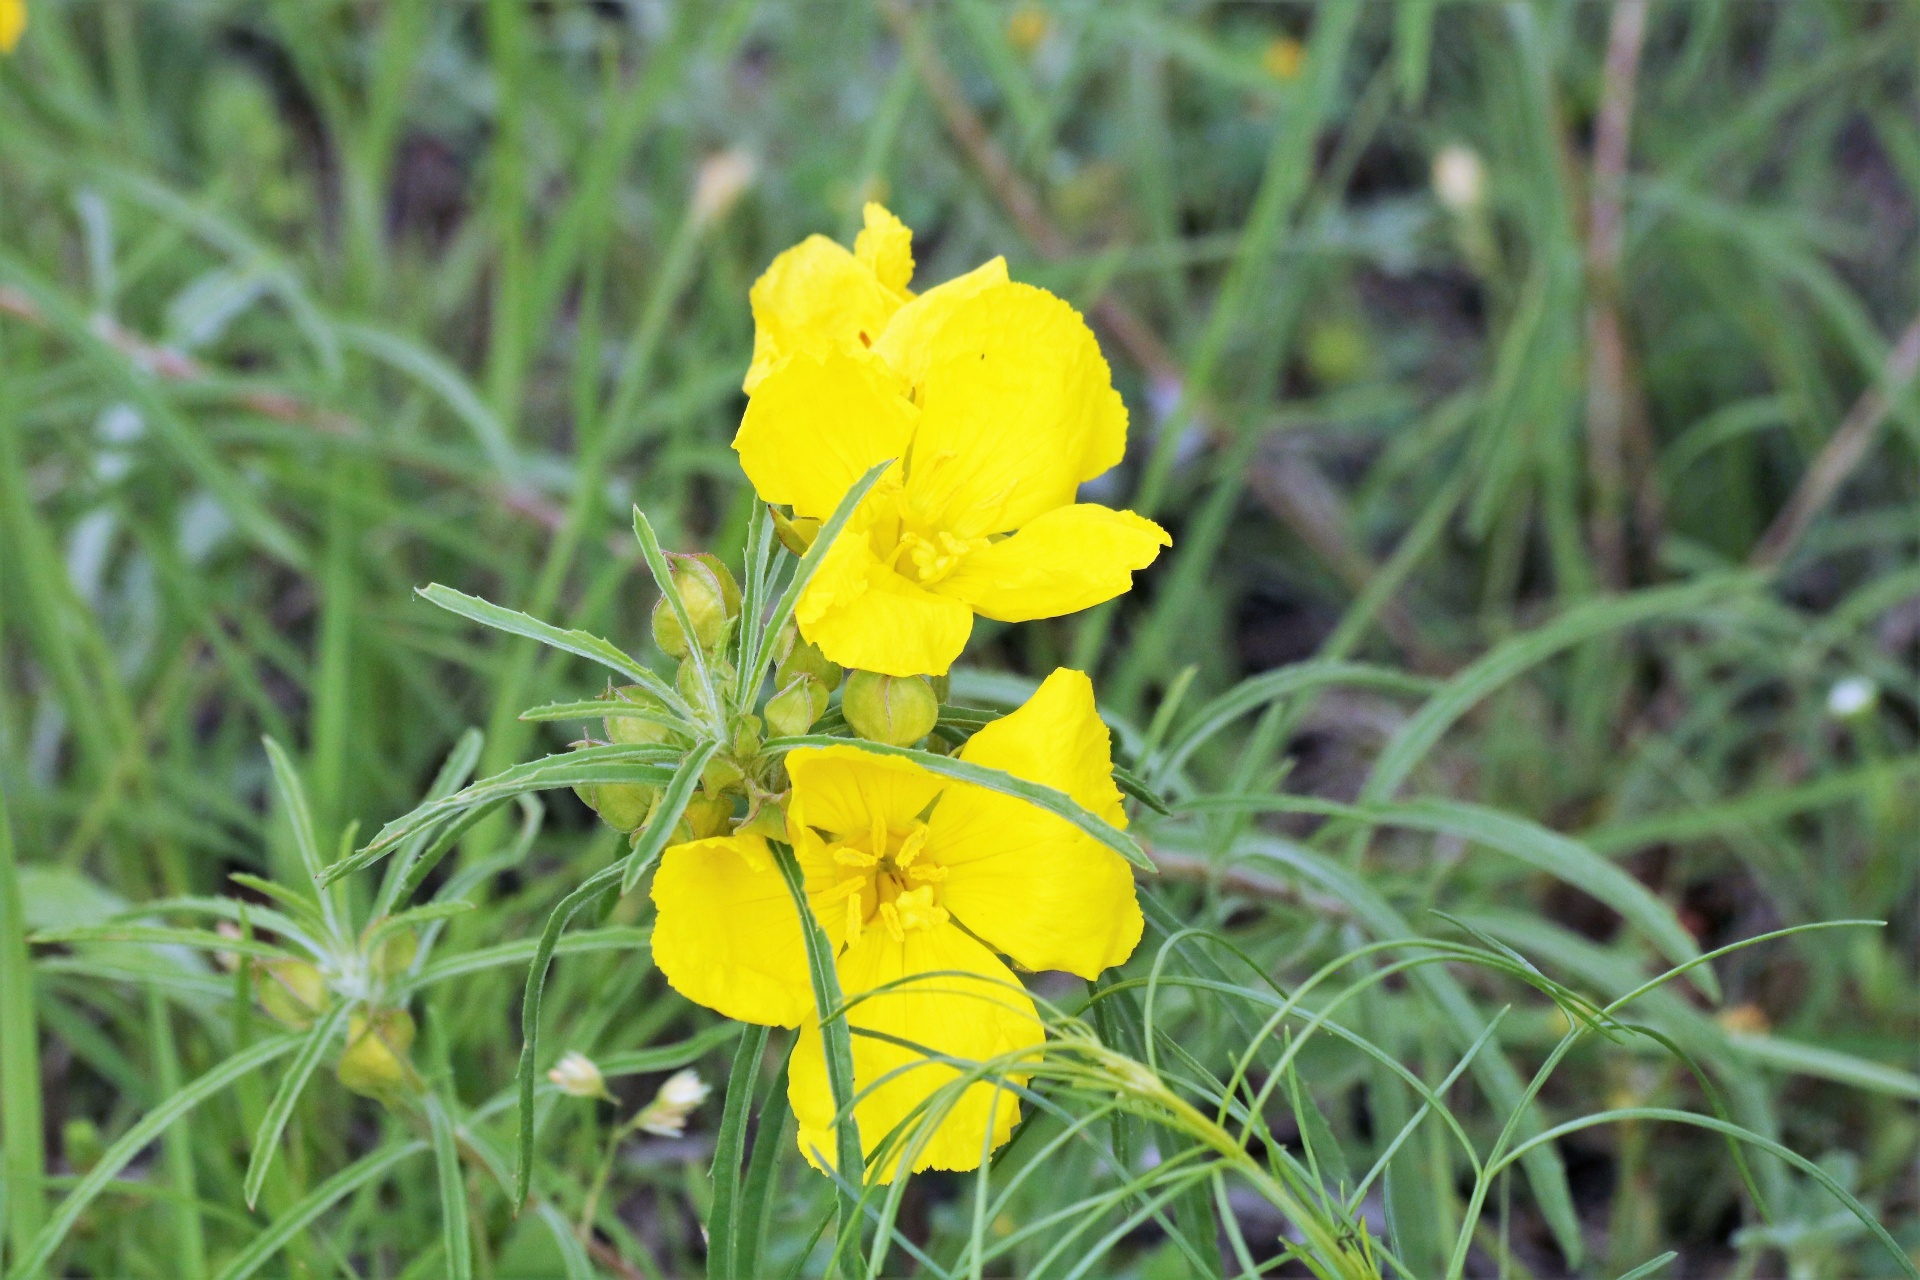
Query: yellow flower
13	21
998	404
917	881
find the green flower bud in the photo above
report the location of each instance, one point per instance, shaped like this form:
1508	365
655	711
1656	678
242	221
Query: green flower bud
374	1063
898	710
746	737
687	678
631	731
709	815
768	820
621	805
797	533
81	1143
792	711
720	774
291	991
394	956
798	657
712	599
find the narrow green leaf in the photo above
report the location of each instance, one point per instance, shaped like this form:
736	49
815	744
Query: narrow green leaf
754	1211
456	1240
579	643
668	1056
316	1202
572	1256
617	763
835	1038
205	939
670	592
293	799
21	1119
266	1139
592	887
729	1149
666	815
1054	802
522	950
135	1140
1651	1266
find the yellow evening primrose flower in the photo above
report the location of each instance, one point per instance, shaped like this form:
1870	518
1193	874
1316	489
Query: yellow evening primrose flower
996	401
13	21
917	882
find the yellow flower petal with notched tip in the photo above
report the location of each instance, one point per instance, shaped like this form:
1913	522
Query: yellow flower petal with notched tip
977	1014
727	935
995	397
817	298
1065	560
13	21
1027	881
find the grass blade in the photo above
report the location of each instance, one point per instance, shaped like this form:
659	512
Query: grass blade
135	1140
729	1146
456	1240
310	1206
266	1139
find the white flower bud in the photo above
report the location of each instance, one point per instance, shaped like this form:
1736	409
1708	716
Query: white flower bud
576	1075
1851	697
722	180
1459	178
666	1116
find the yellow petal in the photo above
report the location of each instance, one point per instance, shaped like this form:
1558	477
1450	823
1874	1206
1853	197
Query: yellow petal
13	21
728	936
816	424
863	614
842	789
885	245
817	298
906	342
974	1015
1061	561
1027	881
1017	409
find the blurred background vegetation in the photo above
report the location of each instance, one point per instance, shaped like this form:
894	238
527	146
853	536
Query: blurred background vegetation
1437	322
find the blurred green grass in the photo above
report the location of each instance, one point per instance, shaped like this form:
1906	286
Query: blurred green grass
305	304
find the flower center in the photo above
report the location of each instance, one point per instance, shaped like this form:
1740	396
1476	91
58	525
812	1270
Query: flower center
928	557
886	875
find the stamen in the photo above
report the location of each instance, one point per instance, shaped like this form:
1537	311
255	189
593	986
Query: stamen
890	916
926	873
911	846
856	918
847	856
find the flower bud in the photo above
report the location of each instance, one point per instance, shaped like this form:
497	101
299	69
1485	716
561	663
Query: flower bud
712	599
792	711
291	991
374	1063
747	737
768	821
709	815
394	956
1459	179
798	657
796	534
667	1114
687	678
1851	697
632	731
82	1145
720	774
898	710
577	1076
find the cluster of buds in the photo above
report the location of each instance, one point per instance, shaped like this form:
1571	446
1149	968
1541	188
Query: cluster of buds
375	1063
805	679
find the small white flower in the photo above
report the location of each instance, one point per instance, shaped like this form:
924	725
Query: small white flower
1459	178
1852	696
577	1075
667	1114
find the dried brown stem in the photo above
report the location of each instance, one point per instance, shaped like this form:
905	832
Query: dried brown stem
1612	397
1843	452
